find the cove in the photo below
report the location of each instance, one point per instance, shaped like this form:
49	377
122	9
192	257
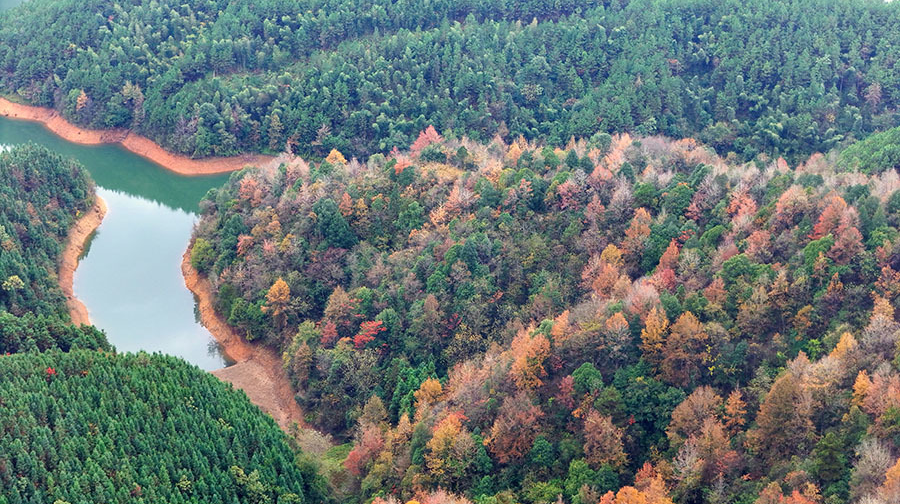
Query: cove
130	276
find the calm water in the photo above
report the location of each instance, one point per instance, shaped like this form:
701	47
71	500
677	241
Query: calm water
130	280
8	4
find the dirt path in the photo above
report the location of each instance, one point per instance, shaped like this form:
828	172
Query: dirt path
68	261
258	371
137	144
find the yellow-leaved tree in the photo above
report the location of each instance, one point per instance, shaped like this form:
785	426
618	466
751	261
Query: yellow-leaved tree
450	451
277	299
335	157
653	336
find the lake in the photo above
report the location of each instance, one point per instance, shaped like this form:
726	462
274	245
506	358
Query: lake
130	278
8	4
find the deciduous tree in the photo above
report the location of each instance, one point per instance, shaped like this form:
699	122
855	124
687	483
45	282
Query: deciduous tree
653	336
685	351
784	420
515	428
277	300
529	350
603	441
335	157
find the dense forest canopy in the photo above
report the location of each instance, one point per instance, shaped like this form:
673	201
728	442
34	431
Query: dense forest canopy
602	252
514	322
84	427
876	154
41	196
216	77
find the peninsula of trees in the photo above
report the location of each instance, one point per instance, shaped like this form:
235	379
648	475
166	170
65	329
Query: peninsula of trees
513	323
41	196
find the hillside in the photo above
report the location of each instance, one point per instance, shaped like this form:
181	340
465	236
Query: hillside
493	252
41	196
517	322
217	78
86	427
876	154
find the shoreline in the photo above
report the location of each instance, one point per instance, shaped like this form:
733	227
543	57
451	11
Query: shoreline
68	261
257	369
132	142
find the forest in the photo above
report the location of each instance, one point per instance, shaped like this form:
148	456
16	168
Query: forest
635	315
785	78
41	196
510	252
83	427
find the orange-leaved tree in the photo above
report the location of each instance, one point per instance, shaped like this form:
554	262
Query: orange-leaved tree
529	350
515	428
685	351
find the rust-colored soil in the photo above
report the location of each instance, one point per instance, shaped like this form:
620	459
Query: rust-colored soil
258	371
142	146
68	261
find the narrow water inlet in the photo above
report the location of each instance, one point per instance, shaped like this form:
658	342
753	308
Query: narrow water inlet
130	278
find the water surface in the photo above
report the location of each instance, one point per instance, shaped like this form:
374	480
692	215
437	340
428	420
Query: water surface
9	4
130	280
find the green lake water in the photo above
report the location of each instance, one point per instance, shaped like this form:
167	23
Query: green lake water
130	279
9	4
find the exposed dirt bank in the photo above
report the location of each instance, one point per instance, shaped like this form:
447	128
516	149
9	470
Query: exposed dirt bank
68	261
142	146
258	371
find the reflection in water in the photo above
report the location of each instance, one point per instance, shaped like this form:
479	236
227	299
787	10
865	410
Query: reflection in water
9	4
113	167
131	279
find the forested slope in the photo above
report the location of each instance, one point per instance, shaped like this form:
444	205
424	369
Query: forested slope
41	196
215	78
513	323
88	427
876	154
